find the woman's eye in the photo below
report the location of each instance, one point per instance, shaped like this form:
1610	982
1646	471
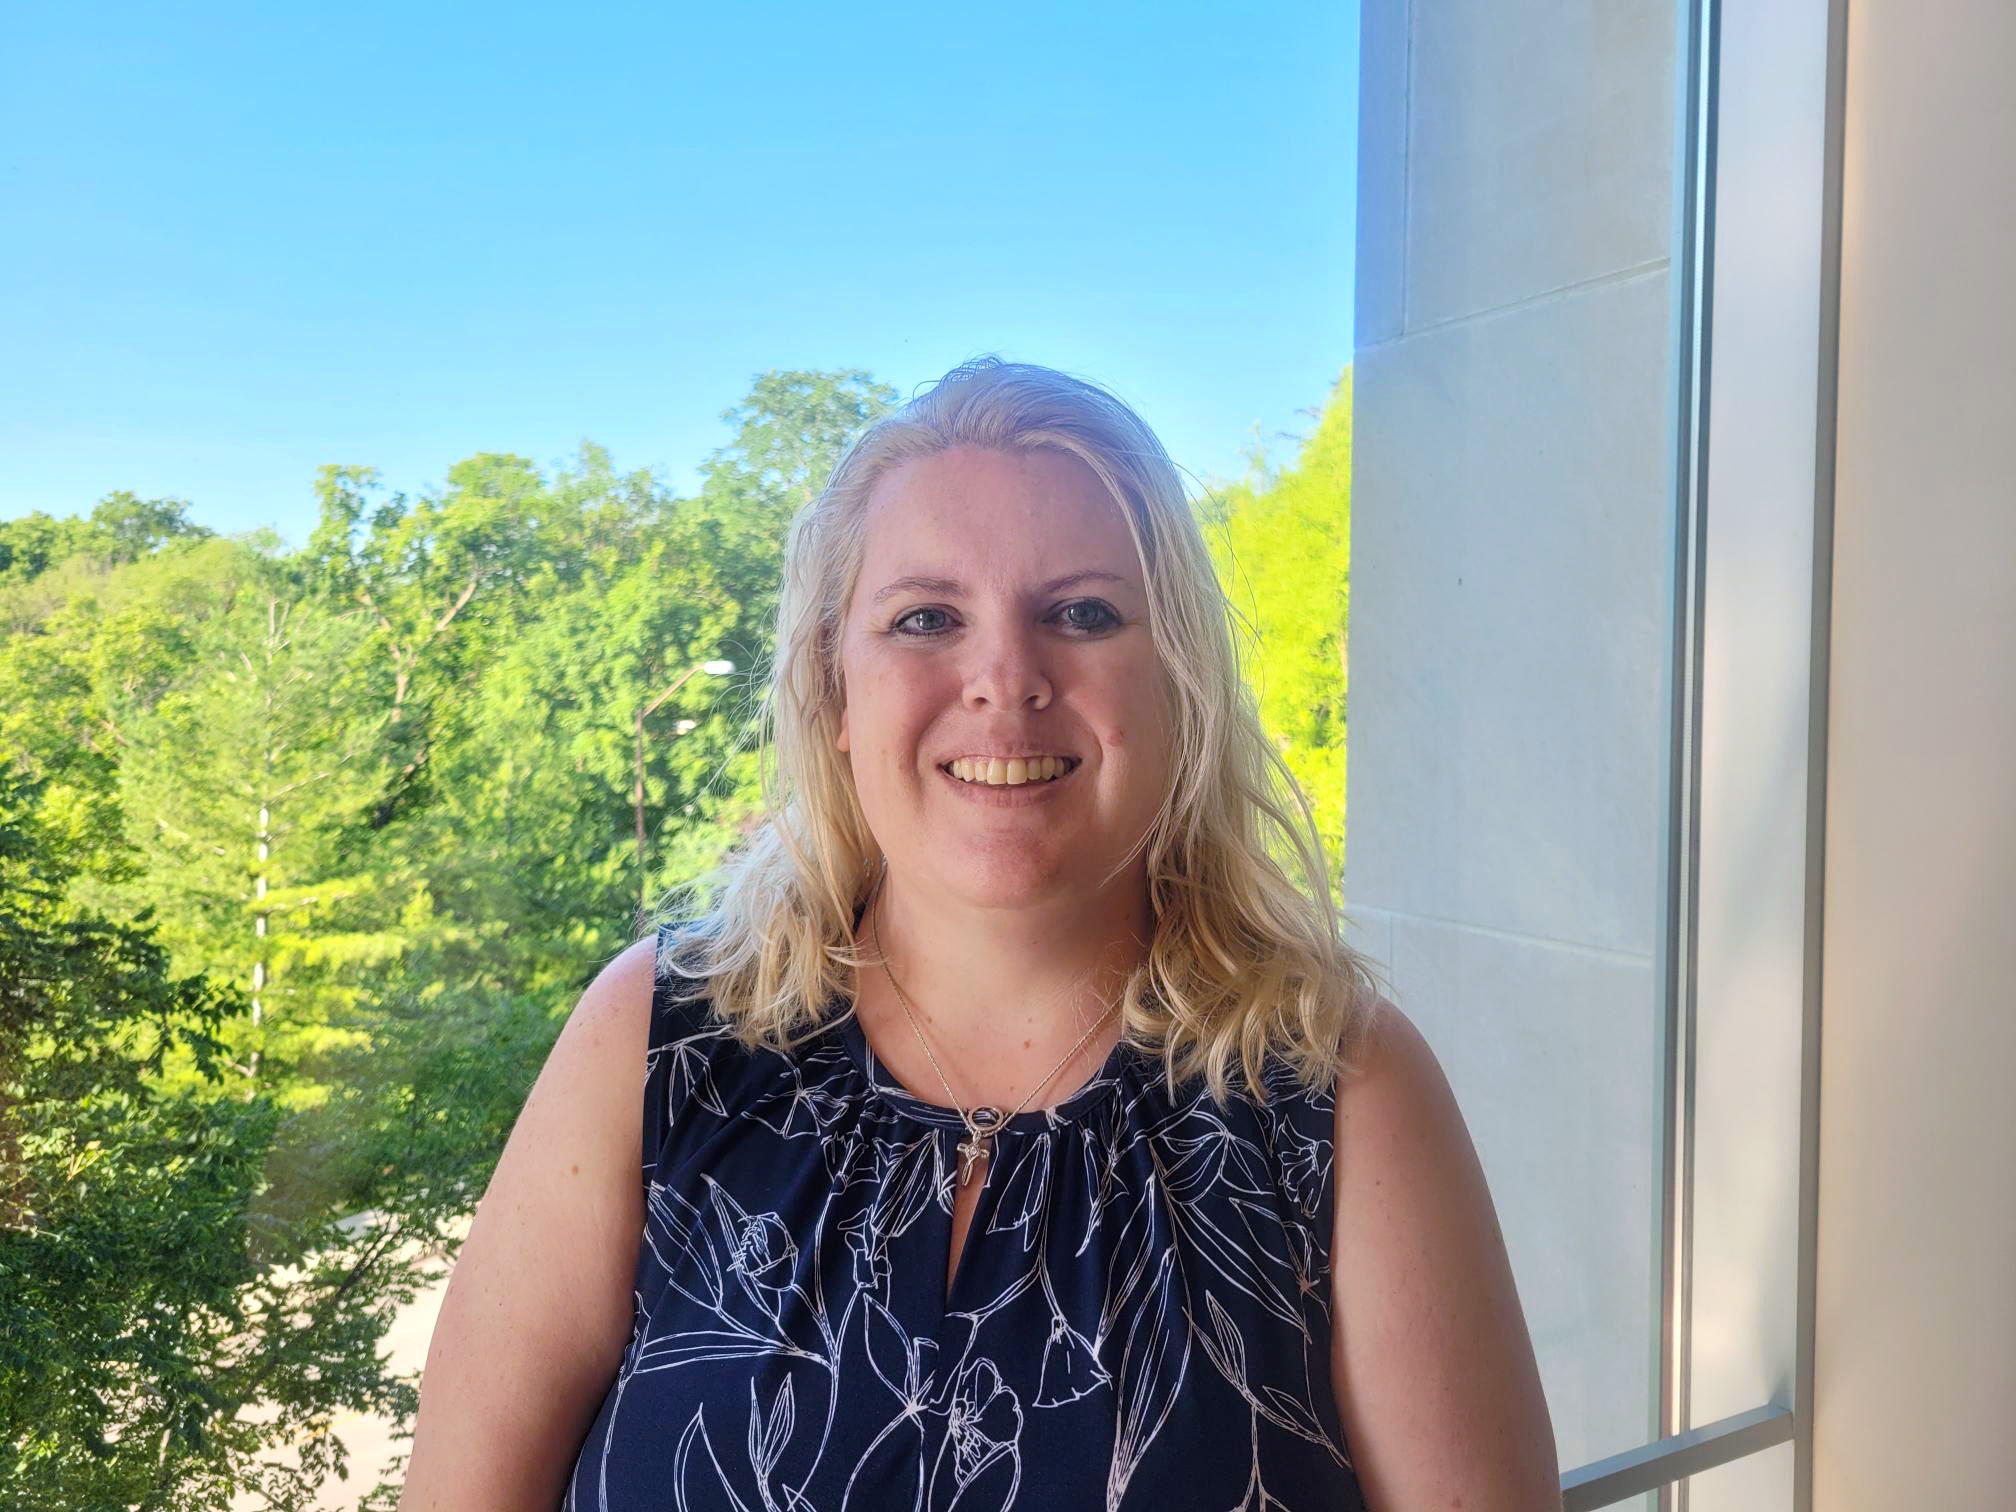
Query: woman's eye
906	618
1082	615
1097	616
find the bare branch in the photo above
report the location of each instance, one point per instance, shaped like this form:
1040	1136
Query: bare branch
468	592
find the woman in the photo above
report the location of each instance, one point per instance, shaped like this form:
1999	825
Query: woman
1017	1132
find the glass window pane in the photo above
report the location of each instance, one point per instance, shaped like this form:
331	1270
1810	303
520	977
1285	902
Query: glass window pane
1513	530
1759	1482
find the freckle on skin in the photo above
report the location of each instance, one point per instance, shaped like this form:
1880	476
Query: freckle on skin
574	1170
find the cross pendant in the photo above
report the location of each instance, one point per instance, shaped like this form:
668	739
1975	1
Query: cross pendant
971	1151
977	1145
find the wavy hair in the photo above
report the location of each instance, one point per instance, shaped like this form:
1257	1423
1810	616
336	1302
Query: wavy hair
1246	959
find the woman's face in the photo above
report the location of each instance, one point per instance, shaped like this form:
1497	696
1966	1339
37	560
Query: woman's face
999	612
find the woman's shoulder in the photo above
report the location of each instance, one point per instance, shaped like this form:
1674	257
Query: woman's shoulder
638	1003
1385	1056
676	993
619	1001
1422	1289
1405	1159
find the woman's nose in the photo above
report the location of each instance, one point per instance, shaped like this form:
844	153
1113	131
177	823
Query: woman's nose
1007	671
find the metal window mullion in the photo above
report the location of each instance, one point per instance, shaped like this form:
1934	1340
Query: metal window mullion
1827	383
1693	351
1672	1460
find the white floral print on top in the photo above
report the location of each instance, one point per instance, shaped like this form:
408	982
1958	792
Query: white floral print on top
1140	1318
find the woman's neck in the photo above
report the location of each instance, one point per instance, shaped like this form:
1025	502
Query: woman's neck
1000	995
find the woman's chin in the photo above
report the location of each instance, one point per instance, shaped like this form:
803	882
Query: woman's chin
1045	883
1007	878
994	890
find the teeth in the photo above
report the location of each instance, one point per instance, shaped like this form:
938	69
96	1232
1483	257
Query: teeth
995	772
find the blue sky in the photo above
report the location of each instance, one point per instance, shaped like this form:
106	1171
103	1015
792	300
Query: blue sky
246	240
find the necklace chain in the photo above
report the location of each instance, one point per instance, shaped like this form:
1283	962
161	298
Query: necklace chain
975	1147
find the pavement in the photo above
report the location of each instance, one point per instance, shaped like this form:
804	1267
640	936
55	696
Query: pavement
366	1437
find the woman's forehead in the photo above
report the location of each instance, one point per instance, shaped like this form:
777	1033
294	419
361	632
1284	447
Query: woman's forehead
991	506
962	559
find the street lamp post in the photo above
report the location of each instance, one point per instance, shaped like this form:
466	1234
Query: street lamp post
712	669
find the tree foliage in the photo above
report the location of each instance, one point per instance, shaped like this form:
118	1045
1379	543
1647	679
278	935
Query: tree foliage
305	853
147	1290
122	528
1282	545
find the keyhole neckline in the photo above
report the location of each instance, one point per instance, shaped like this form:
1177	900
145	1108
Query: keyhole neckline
1102	1085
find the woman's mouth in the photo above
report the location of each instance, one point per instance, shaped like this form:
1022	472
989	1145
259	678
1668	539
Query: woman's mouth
998	772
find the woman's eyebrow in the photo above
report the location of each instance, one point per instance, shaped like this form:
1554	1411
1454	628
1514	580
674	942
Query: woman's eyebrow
920	583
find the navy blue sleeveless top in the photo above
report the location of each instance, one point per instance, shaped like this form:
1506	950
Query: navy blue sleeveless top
1140	1318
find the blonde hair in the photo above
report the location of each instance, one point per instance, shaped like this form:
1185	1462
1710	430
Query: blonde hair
1243	963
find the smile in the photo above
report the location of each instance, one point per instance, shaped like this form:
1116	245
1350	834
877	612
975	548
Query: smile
1001	793
1013	772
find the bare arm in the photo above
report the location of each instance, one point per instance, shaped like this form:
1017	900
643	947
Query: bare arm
538	1311
1430	1359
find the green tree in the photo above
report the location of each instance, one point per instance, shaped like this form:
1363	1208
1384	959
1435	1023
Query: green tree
248	786
529	833
383	794
163	1326
1282	546
122	528
423	571
80	668
789	432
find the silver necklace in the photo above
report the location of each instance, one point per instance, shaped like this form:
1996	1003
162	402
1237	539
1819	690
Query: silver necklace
982	1122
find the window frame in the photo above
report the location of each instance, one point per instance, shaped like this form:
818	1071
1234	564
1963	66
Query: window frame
1755	324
